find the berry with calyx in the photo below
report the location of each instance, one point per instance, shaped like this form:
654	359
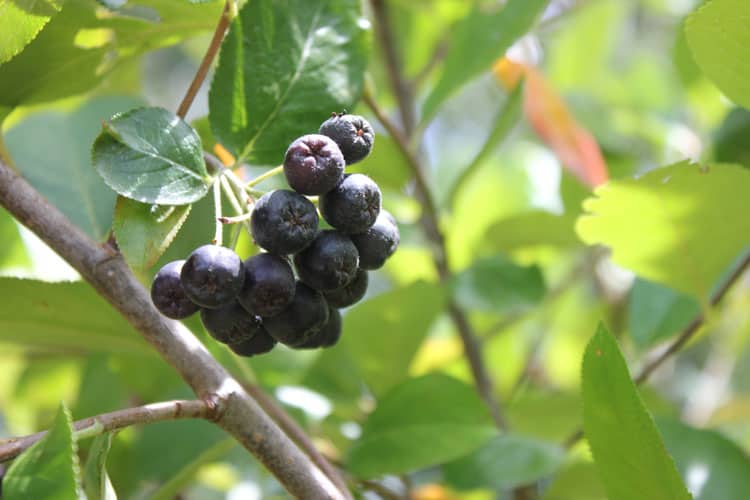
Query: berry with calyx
313	164
330	261
259	343
350	293
269	285
377	243
353	134
305	315
353	205
168	295
328	335
212	276
231	324
283	222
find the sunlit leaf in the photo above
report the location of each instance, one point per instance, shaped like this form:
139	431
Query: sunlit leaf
21	21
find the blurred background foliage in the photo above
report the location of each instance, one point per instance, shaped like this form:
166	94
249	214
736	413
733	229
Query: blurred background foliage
535	291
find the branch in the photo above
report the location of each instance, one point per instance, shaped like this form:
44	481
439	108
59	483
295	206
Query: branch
93	426
108	273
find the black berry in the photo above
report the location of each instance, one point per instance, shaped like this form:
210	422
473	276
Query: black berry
168	295
269	285
283	222
330	261
328	334
313	164
350	293
259	343
377	243
352	133
353	205
231	324
305	315
212	276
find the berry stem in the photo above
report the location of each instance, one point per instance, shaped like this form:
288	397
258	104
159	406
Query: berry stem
218	225
265	175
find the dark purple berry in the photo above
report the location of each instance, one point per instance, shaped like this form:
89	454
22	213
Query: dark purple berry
212	276
353	205
231	324
283	222
305	314
330	261
168	295
352	133
350	293
328	335
313	164
377	243
269	285
259	343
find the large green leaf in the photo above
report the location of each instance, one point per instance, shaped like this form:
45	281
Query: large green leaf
96	482
424	421
680	225
152	156
529	229
283	68
627	448
656	312
730	140
486	36
49	469
21	21
718	36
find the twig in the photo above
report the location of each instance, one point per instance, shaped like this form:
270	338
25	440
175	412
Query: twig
218	222
438	54
213	48
93	426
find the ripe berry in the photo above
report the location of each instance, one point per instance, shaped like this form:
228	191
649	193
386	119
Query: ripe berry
353	205
304	315
330	261
231	324
377	243
328	334
352	133
212	276
269	285
350	293
313	164
168	295
283	222
259	343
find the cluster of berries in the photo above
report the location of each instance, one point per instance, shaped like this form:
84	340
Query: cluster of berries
252	305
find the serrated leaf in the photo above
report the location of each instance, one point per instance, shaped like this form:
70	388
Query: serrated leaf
49	469
628	450
21	21
486	36
423	421
96	482
145	231
152	156
717	35
656	312
681	225
283	68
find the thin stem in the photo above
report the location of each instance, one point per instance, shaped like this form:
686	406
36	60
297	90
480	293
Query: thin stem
265	175
213	49
236	219
93	426
219	229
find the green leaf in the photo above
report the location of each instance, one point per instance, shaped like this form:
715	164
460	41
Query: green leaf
145	231
49	469
63	316
152	156
718	36
626	446
576	481
498	285
656	312
730	141
713	466
13	252
486	36
680	225
422	422
529	229
283	68
21	21
96	481
385	164
505	462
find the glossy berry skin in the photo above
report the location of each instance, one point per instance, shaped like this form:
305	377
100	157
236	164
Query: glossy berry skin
212	276
330	261
168	295
304	316
349	294
353	205
313	164
269	284
231	324
377	243
259	343
283	222
328	334
353	134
